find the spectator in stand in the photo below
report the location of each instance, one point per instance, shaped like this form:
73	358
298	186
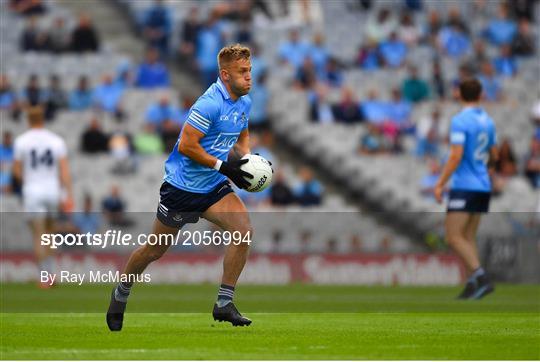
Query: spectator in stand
393	51
408	31
399	111
306	75
429	181
59	36
372	142
522	9
505	64
455	20
438	81
308	191
157	27
163	110
84	37
80	98
524	41
380	26
169	134
28	7
477	58
294	51
258	64
318	53
501	30
56	98
93	139
124	77
32	38
434	24
33	94
429	134
148	142
348	109
374	110
152	73
6	162
320	108
121	152
490	83
189	35
261	144
413	88
258	117
369	57
8	98
332	74
87	221
453	42
107	97
532	163
506	164
280	192
243	35
209	42
114	208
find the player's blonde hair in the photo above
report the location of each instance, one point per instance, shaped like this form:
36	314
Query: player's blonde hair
232	53
35	115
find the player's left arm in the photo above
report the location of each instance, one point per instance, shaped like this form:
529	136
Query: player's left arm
456	154
241	147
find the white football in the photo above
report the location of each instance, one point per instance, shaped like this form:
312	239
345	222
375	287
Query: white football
261	170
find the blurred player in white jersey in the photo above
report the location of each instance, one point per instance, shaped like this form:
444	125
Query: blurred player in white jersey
41	165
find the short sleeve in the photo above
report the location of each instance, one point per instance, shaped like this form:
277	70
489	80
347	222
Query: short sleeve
17	151
457	132
61	148
203	113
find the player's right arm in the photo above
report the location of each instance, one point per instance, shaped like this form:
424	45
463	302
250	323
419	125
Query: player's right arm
190	146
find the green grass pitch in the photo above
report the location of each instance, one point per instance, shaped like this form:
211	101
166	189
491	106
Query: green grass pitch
289	322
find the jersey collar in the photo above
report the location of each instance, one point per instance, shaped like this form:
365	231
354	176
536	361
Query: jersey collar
222	89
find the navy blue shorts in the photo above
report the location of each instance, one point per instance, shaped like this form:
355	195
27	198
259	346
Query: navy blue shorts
468	201
178	207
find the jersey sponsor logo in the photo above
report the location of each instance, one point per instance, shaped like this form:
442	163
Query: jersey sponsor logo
224	141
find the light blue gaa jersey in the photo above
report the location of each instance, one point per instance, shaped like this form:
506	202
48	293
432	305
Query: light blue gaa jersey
475	130
221	120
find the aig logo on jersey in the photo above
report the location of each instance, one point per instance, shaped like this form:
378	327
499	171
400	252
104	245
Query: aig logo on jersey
224	141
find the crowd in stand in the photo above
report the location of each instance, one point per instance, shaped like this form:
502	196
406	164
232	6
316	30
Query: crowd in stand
389	35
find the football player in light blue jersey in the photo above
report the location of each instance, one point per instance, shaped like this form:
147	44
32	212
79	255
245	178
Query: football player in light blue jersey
472	149
196	184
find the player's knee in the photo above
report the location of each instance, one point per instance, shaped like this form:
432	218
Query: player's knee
246	231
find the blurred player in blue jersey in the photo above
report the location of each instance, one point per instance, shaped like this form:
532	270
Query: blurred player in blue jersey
472	148
196	183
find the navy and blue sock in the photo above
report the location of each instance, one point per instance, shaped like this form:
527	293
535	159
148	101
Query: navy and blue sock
225	295
122	291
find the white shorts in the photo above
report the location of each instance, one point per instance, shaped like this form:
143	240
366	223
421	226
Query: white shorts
41	201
